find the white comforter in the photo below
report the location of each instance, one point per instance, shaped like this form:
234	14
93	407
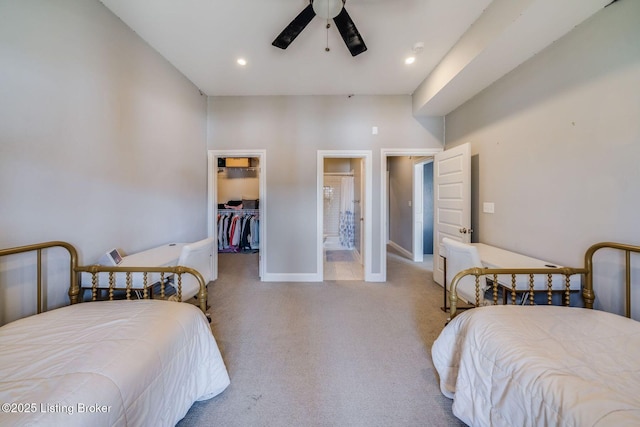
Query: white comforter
136	363
541	366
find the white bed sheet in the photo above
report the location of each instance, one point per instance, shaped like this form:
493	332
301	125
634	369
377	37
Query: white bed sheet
540	366
108	363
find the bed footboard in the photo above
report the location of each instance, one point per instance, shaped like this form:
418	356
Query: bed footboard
496	276
165	272
548	273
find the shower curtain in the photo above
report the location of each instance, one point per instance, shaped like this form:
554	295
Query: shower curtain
346	232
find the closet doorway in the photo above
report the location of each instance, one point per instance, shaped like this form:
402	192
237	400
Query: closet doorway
237	195
344	215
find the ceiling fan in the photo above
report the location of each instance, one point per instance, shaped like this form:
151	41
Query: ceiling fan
328	9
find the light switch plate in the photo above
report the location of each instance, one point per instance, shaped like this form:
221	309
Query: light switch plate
488	207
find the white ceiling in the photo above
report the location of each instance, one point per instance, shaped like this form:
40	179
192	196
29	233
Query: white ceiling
203	39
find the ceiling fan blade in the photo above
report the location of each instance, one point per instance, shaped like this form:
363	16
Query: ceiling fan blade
349	33
294	28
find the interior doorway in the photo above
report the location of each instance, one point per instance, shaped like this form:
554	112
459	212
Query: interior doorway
412	205
237	194
344	215
342	219
410	201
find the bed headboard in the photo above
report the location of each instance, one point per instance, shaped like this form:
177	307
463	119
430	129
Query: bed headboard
74	289
587	293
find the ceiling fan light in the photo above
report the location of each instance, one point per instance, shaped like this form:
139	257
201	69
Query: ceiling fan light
327	9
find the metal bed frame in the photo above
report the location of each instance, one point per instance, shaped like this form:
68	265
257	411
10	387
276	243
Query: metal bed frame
587	289
75	292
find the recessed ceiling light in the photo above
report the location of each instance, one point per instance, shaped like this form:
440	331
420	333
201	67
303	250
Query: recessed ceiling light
242	62
417	50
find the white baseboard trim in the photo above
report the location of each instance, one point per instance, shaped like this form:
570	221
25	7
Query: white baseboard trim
292	277
400	249
313	278
375	277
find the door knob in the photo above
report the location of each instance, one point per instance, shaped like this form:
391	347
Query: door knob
465	230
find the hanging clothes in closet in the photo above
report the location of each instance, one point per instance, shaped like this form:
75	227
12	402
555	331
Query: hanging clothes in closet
238	231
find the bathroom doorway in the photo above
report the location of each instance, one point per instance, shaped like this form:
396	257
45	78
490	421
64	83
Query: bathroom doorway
344	211
342	215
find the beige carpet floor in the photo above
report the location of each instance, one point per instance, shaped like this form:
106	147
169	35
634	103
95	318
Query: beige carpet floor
336	353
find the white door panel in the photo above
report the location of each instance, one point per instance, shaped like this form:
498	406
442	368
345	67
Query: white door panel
452	201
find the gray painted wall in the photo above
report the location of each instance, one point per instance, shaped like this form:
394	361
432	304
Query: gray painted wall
400	194
291	130
102	141
556	143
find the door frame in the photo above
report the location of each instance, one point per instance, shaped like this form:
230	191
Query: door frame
384	191
212	201
367	158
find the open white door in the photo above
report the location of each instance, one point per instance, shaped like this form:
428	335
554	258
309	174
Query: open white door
452	201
